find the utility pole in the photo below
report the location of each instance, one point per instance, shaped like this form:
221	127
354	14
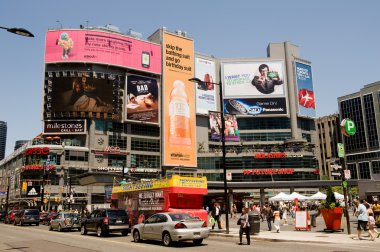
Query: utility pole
43	187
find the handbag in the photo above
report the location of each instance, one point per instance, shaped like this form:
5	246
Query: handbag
238	222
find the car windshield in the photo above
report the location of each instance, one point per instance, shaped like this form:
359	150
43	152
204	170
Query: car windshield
116	213
179	217
32	212
71	215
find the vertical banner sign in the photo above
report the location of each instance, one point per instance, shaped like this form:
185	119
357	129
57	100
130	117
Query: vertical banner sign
231	133
306	102
206	97
178	110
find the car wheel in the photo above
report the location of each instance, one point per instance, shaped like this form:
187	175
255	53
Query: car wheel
198	241
136	236
59	229
124	232
166	239
83	230
99	231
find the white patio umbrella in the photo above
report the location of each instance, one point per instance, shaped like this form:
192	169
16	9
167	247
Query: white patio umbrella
279	197
298	196
317	196
338	196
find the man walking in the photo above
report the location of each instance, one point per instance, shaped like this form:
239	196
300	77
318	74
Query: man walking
215	213
362	218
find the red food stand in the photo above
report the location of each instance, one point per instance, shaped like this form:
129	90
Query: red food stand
175	194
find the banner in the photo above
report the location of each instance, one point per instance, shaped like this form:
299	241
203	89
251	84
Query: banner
305	90
65	127
179	129
142	100
102	47
231	127
256	106
253	79
205	92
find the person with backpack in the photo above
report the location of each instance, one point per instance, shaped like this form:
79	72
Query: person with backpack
244	226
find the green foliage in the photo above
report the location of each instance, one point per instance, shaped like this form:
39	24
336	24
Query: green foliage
330	201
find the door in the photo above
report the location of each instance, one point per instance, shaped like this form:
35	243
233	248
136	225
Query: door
147	229
158	226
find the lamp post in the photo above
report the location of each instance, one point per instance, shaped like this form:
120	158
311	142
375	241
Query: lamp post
18	31
226	199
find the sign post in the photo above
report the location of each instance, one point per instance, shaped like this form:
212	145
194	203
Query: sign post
348	128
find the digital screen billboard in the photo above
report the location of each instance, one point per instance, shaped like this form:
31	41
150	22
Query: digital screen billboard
205	92
255	106
102	47
305	90
83	92
178	126
253	79
231	133
142	100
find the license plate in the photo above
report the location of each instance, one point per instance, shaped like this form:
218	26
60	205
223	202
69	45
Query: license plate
119	221
197	233
32	218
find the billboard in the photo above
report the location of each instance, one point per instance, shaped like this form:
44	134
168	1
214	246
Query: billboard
179	129
231	133
103	48
305	90
206	98
84	92
255	106
64	127
142	99
253	79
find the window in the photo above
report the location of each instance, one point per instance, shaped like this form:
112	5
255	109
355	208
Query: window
364	171
143	144
118	141
376	167
370	119
76	156
145	130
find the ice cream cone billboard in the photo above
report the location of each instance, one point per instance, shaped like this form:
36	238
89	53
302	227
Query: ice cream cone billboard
178	121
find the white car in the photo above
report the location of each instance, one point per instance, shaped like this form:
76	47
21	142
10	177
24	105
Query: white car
168	227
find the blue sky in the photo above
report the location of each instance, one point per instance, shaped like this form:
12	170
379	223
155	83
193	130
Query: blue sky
340	38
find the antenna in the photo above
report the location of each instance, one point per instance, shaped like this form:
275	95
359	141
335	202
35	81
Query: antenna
59	23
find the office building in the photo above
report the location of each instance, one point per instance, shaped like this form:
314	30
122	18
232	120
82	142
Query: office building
3	138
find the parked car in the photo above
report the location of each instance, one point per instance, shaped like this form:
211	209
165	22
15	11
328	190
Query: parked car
169	227
65	221
10	218
46	219
43	215
27	216
105	221
2	215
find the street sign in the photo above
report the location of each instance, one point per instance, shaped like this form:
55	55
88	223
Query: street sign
337	174
347	174
348	127
229	176
344	183
340	150
336	167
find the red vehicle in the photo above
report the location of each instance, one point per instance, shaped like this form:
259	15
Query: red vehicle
10	218
45	219
175	194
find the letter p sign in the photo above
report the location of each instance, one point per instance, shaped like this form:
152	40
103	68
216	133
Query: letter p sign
349	127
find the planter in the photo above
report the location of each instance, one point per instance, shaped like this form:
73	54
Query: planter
332	217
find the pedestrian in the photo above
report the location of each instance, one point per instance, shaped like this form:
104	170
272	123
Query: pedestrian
277	219
362	218
244	227
268	212
215	213
371	227
234	211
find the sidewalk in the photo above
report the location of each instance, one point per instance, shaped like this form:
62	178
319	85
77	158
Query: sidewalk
289	234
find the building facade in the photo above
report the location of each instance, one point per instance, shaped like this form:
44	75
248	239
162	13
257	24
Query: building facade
3	138
329	135
116	103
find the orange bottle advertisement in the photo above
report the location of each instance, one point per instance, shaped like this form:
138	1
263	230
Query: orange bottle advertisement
178	124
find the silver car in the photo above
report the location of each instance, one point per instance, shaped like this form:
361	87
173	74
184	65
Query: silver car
170	227
65	221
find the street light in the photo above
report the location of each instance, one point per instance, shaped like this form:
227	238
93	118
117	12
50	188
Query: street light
226	199
18	31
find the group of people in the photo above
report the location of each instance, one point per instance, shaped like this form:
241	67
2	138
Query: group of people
366	218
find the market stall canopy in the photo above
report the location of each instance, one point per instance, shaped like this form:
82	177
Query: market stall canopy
279	197
298	196
338	196
318	196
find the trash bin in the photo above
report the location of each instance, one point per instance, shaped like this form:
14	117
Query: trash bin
254	222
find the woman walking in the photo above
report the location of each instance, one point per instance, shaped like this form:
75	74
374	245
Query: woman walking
277	219
244	226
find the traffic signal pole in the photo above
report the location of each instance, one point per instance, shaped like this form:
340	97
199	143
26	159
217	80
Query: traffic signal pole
344	185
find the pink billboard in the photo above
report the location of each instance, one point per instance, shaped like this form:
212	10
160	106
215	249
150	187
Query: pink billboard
103	48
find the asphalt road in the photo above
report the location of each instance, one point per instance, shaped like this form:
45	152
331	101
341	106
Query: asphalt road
32	238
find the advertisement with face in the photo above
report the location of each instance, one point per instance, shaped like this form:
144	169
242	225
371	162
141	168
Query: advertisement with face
205	92
306	102
255	106
178	110
253	79
82	92
142	99
102	47
231	133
